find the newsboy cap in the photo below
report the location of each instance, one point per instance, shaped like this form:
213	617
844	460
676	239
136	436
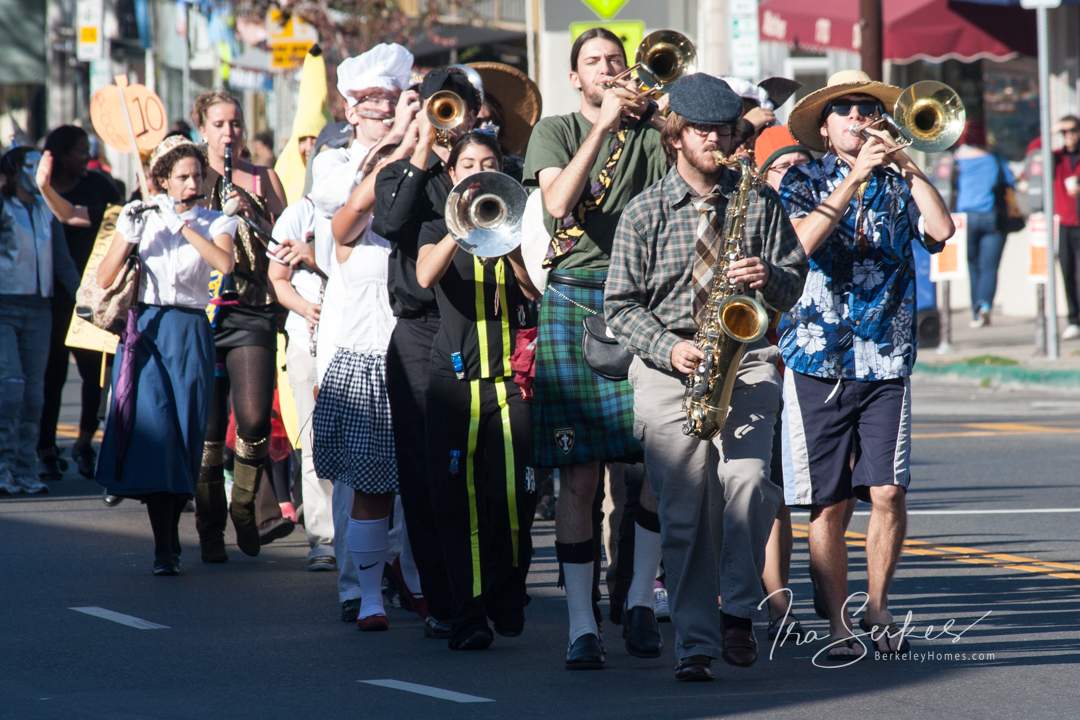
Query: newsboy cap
702	98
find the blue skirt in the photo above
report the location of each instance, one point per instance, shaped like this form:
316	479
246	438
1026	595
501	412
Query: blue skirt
174	380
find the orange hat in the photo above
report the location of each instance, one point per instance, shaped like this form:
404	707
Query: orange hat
775	141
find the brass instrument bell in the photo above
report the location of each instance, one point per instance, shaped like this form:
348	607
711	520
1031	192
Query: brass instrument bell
484	212
928	116
662	57
446	111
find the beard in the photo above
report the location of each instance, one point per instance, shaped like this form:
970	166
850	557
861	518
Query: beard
703	161
593	94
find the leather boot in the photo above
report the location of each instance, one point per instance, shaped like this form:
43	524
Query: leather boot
247	476
210	505
160	509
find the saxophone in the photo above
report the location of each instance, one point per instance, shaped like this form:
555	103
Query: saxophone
730	321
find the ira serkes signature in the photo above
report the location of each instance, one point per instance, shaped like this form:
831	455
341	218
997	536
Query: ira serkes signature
903	630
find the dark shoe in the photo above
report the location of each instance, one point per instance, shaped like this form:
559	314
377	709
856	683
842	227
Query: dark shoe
740	646
694	669
85	460
373	623
510	623
642	634
53	466
272	530
246	479
793	631
167	568
111	500
473	636
585	653
321	563
212	550
350	610
436	629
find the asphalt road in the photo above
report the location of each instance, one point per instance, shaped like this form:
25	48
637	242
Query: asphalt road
995	543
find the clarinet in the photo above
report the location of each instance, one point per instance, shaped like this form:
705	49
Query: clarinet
228	294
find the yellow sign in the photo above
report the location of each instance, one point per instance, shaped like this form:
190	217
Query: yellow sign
605	9
290	39
631	32
82	334
88	34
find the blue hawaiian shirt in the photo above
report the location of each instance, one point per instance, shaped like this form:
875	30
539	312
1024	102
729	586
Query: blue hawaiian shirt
856	317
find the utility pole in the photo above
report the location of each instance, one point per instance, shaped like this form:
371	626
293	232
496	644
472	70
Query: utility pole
870	52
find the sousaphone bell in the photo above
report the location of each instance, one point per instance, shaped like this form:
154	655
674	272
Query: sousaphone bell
484	212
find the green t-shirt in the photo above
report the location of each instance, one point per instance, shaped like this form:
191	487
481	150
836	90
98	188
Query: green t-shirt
553	143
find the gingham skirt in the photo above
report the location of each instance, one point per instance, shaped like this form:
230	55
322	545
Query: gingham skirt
353	433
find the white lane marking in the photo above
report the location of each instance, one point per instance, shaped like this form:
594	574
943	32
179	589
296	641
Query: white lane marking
113	616
427	690
1025	511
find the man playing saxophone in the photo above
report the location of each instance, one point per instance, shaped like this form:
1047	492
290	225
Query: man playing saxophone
667	261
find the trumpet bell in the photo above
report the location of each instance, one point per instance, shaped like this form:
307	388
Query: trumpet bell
931	115
663	57
484	213
446	110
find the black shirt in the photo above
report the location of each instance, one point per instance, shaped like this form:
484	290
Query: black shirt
95	192
406	198
485	346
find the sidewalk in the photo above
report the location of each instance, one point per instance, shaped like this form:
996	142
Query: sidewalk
1003	353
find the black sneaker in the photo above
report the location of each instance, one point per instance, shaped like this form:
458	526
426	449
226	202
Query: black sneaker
350	610
436	629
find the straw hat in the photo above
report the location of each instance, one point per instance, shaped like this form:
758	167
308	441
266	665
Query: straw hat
520	100
805	119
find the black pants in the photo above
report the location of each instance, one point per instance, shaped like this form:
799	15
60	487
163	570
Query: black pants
408	369
56	369
477	454
1069	252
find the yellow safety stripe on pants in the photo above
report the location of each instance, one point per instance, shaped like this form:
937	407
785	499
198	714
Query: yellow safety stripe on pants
481	322
470	484
504	322
509	466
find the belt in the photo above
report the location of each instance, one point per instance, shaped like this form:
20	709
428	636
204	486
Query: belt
573	281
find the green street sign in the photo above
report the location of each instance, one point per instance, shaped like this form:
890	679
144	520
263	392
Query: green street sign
605	9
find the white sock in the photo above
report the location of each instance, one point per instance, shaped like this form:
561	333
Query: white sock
368	542
646	562
578	578
408	566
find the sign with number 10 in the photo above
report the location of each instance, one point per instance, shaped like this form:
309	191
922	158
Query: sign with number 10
145	110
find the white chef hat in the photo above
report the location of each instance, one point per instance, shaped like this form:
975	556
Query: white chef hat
386	66
750	91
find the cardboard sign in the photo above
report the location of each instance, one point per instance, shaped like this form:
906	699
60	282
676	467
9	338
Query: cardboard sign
145	110
82	334
949	264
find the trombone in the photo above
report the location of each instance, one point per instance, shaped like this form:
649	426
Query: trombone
446	111
662	58
928	116
483	214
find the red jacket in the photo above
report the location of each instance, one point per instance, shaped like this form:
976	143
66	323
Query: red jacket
1064	206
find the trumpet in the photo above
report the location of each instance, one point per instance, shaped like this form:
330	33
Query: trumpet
928	116
483	214
663	57
446	111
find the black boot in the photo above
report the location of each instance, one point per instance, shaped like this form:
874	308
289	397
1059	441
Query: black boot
210	505
159	507
247	476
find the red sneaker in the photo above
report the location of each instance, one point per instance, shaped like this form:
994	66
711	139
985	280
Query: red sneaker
373	623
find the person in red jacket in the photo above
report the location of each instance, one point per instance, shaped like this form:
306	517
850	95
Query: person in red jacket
1066	192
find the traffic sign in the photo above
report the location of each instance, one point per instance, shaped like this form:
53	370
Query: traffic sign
89	27
290	39
605	9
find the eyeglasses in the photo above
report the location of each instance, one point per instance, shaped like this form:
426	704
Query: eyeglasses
784	167
1070	131
703	129
867	108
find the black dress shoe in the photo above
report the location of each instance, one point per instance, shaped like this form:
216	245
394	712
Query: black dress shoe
585	653
167	568
111	500
472	636
275	529
641	632
350	610
694	669
435	629
740	646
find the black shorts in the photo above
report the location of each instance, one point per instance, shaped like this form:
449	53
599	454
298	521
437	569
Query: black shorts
840	438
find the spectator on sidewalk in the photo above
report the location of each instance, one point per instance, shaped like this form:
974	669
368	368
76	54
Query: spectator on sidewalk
1066	190
980	177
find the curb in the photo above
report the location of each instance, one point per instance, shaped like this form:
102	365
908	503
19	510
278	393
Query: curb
1007	374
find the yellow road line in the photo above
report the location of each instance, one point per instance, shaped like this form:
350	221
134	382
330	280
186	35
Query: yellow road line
996	429
970	556
71	432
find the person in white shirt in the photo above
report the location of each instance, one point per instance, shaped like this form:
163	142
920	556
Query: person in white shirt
153	446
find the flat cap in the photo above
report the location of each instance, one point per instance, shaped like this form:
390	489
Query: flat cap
702	98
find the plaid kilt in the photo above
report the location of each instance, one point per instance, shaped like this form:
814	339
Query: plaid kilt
577	416
353	438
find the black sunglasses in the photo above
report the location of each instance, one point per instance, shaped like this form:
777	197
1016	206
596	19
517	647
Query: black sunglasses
867	108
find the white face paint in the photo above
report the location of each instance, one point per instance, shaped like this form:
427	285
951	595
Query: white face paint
28	174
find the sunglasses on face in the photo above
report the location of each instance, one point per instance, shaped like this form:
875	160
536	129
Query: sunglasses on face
1070	131
867	108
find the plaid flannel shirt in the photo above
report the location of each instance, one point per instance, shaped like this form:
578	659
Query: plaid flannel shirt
648	300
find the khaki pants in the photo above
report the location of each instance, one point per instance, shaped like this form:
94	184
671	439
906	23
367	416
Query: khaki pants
716	501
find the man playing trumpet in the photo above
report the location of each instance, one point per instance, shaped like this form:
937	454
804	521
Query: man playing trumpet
716	501
850	346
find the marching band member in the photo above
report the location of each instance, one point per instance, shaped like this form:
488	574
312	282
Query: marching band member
589	165
850	346
479	448
716	501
